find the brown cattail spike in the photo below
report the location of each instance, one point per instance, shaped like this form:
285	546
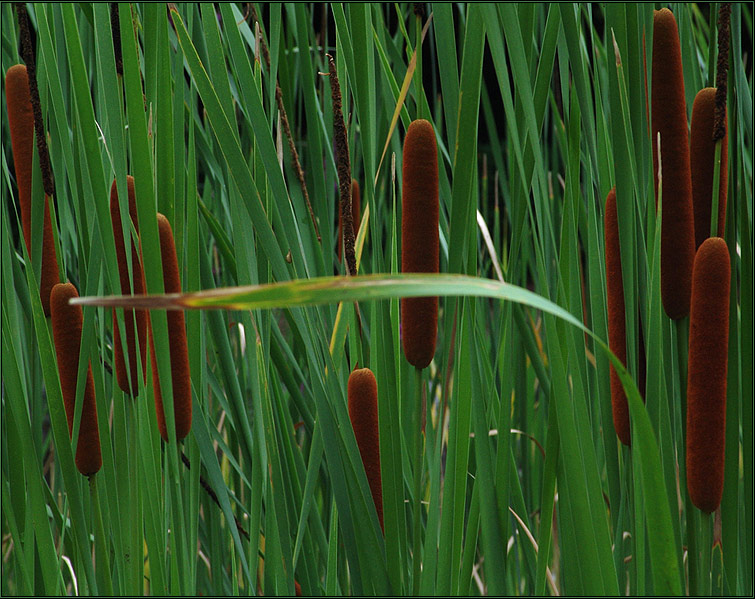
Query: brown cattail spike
722	70
617	337
129	384
296	163
21	124
356	214
419	239
27	53
669	117
115	25
702	158
66	331
706	380
363	412
343	166
179	352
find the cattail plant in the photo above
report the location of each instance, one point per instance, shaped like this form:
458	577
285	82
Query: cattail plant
419	239
356	214
67	322
363	412
343	162
706	382
21	124
669	117
702	156
179	352
128	379
617	335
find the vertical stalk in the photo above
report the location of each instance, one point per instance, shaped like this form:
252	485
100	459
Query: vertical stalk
102	554
418	68
416	516
136	548
715	190
682	332
706	524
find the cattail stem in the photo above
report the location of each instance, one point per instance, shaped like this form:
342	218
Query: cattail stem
209	490
706	534
715	191
134	566
100	543
418	461
418	69
682	331
287	129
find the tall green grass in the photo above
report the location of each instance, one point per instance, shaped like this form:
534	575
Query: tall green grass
525	488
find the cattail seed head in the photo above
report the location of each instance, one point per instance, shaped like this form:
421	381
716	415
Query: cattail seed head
27	53
128	383
706	378
356	215
66	331
21	124
179	352
419	239
115	25
669	117
722	70
702	158
617	338
343	166
363	413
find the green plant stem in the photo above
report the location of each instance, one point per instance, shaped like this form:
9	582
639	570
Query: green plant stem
682	331
418	68
706	533
101	546
715	186
133	563
416	516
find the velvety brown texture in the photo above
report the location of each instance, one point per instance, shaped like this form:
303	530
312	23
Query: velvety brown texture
122	373
669	117
21	124
706	378
617	337
356	215
419	239
702	158
179	351
66	331
363	412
